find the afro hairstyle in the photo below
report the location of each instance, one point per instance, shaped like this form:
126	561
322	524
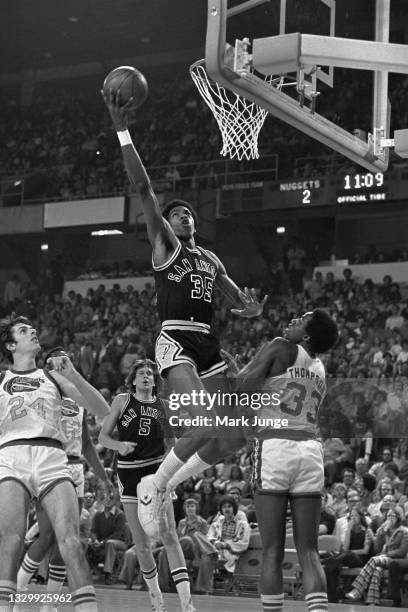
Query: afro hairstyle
173	204
322	330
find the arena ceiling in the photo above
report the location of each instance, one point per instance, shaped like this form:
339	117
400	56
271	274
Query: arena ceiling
38	34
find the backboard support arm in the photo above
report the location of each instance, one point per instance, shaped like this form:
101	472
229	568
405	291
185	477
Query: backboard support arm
303	49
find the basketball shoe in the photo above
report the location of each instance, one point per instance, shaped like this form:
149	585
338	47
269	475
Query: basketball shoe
150	504
157	601
187	606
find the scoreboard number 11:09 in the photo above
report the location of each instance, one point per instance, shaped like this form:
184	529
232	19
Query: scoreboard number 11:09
363	181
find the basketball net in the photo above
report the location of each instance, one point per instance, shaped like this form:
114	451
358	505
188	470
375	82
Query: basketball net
239	120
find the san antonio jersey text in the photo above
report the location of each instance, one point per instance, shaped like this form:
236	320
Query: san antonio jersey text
146	424
184	285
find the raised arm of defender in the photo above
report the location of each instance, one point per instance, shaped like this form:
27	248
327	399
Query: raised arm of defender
90	453
272	359
74	385
161	236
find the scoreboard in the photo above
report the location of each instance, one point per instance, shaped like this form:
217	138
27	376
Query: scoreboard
360	188
298	193
341	190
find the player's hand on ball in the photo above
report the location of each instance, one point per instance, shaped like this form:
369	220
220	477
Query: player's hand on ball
252	307
118	113
127	447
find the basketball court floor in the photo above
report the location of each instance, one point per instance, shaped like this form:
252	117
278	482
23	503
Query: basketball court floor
118	599
136	601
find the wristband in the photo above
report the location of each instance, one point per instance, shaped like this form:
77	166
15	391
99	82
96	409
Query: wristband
124	138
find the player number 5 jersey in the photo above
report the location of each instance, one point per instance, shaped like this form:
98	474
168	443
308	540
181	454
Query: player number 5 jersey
30	406
146	424
296	396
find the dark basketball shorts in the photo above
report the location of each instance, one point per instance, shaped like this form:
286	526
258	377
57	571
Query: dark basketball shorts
189	343
129	478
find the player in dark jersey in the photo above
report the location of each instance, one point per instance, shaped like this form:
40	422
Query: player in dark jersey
185	278
288	462
144	433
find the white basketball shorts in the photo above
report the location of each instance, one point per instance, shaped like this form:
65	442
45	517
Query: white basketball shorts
37	468
288	466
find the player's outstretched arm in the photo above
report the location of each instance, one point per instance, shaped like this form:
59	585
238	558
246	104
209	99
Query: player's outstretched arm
277	354
90	453
249	304
109	424
246	302
252	376
159	231
73	385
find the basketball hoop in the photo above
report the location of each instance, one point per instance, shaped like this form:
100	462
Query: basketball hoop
239	120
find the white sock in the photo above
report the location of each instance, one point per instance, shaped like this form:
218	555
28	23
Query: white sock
152	579
7	588
56	578
182	582
195	465
272	603
84	599
168	468
317	602
26	572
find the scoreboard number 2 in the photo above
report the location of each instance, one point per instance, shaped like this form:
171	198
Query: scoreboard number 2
306	194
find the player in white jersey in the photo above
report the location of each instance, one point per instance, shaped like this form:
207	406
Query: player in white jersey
32	460
78	442
288	459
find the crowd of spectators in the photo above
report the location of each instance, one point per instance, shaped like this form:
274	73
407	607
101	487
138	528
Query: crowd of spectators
363	421
124	269
67	141
372	255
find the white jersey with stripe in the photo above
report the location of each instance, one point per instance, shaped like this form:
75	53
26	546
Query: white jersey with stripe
72	417
295	396
30	406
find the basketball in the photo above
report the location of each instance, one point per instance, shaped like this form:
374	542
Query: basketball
130	82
